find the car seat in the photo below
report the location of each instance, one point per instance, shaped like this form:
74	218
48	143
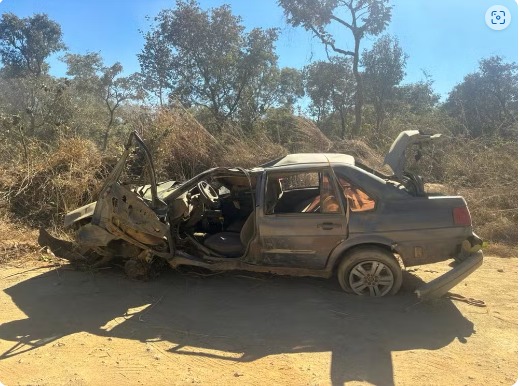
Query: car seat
232	244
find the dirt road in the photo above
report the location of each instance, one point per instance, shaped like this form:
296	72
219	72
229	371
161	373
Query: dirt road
60	326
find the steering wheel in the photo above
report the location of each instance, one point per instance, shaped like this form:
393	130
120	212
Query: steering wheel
208	192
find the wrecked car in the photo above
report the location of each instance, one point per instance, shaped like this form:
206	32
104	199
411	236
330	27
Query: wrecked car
309	214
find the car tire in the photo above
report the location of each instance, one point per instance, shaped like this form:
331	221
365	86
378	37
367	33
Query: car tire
370	271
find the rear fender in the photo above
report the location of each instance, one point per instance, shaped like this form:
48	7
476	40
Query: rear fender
348	244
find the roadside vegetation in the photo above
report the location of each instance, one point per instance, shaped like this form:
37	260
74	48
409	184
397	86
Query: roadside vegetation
212	93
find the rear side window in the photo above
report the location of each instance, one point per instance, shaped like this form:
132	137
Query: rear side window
301	192
299	181
358	199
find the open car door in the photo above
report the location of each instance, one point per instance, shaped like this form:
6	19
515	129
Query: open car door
121	213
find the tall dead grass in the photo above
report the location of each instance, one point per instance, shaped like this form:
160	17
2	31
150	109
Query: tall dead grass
485	174
40	191
182	147
306	137
362	152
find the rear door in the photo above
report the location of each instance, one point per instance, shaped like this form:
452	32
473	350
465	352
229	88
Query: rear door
302	218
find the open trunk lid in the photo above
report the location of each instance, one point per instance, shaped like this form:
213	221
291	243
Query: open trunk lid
396	156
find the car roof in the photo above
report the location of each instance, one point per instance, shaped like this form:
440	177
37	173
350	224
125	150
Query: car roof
311	158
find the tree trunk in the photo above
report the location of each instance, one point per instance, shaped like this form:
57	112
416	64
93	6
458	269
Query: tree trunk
358	106
107	131
378	105
160	96
24	145
343	123
32	126
105	138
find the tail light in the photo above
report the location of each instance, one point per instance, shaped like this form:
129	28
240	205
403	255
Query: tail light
461	216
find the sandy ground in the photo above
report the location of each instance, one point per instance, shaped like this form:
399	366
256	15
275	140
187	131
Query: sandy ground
60	326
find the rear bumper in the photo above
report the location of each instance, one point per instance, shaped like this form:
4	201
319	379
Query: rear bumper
441	285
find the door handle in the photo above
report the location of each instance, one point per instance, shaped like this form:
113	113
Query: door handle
327	226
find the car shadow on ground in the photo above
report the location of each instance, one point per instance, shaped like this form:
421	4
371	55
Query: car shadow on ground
249	316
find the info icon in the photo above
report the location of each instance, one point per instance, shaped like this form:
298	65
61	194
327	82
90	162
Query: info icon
498	17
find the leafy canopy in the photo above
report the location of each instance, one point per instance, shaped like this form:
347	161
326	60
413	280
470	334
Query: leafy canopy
25	43
210	61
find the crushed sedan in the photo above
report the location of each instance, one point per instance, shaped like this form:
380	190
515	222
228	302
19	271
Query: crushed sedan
309	214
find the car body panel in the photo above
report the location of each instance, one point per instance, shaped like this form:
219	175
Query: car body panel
300	240
79	214
306	245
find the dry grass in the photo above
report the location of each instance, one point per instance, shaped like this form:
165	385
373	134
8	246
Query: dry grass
306	137
362	152
182	147
40	192
501	250
16	240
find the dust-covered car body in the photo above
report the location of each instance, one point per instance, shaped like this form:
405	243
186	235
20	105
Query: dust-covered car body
303	214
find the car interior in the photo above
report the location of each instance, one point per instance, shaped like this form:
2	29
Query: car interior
215	217
220	218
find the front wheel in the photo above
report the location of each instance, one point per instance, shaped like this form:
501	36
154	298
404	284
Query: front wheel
370	272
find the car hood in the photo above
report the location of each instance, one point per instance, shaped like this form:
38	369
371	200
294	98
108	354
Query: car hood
396	157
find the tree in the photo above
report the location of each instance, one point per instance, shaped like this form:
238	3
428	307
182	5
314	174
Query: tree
41	104
25	43
274	88
291	87
331	87
156	65
419	97
384	67
104	85
360	17
214	63
485	102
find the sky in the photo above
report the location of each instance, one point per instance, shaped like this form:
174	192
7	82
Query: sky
444	38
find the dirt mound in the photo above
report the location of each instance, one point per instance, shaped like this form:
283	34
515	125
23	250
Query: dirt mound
363	153
306	137
182	147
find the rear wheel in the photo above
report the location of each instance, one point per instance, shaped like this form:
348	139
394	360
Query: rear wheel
370	272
